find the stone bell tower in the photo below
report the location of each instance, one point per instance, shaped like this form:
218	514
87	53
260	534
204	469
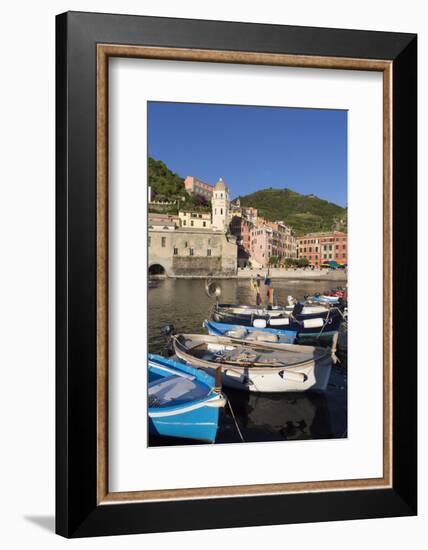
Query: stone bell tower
220	206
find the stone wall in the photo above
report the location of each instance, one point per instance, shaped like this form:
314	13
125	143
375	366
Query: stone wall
192	266
195	253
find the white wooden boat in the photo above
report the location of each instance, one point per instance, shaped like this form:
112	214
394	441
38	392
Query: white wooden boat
273	311
257	367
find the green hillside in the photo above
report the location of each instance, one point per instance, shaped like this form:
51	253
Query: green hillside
305	213
168	186
165	184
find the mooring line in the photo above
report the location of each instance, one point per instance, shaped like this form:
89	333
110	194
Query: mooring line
235	421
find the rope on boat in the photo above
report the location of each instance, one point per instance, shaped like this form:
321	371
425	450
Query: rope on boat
235	421
334	357
324	325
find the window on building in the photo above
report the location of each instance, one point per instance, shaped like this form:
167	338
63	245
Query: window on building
204	224
185	244
184	222
330	247
191	251
221	211
191	223
209	252
310	249
175	251
163	242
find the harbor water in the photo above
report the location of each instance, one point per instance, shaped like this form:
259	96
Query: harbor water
260	417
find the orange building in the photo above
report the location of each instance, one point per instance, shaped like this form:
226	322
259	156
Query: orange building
319	248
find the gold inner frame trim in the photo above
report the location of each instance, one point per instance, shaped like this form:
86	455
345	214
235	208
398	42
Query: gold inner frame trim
104	51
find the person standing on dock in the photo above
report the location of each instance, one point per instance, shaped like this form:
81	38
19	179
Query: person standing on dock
270	291
270	294
256	286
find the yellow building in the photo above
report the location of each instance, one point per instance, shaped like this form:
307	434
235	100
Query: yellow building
197	220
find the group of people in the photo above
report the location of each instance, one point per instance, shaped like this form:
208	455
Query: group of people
256	286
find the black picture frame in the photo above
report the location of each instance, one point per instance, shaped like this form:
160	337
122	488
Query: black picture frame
77	511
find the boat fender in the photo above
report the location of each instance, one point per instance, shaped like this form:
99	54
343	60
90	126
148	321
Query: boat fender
313	323
281	321
259	323
217	403
293	376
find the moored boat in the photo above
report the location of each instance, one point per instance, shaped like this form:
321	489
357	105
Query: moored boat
250	334
323	298
257	366
308	322
183	401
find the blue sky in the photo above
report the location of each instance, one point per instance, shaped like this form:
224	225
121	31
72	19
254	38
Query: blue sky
253	148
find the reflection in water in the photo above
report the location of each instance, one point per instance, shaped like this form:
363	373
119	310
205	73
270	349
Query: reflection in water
261	417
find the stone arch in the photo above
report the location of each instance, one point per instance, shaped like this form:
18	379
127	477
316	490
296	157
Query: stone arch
157	271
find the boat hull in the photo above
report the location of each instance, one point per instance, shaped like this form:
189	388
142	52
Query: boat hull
220	329
310	325
194	419
310	374
199	423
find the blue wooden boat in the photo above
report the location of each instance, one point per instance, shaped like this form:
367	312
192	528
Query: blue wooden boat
322	323
322	298
183	401
251	333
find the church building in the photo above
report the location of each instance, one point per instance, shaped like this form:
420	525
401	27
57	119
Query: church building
220	207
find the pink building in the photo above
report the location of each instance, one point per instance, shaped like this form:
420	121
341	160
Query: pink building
319	248
259	242
241	228
163	220
194	186
261	247
283	241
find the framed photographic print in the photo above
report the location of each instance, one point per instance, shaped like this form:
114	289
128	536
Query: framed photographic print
236	244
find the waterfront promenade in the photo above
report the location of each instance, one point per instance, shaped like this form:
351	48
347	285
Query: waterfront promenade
296	274
299	274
